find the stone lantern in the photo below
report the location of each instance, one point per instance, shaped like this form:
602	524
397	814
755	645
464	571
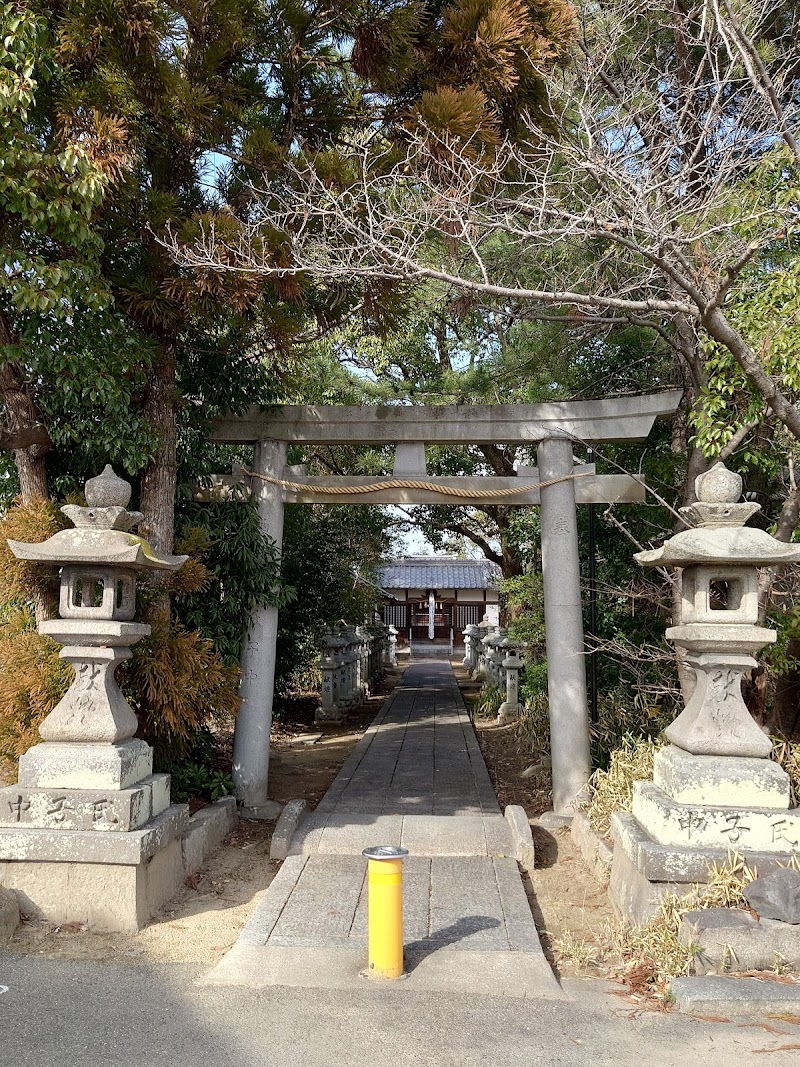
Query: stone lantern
89	824
714	786
485	629
471	633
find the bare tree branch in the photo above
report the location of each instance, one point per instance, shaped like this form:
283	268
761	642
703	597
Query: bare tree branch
650	201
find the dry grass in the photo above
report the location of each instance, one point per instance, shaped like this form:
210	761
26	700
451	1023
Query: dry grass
654	953
612	790
532	729
787	754
648	957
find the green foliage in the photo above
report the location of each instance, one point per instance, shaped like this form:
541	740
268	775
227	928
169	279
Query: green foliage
524	605
195	770
533	680
196	780
782	656
329	558
56	171
492	696
764	308
243	569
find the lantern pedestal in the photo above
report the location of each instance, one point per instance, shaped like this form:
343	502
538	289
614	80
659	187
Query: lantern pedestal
89	835
108	882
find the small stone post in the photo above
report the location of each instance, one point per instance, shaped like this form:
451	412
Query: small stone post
470	638
393	646
366	673
485	630
328	710
345	698
498	654
351	658
510	709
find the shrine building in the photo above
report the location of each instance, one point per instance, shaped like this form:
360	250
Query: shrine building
430	599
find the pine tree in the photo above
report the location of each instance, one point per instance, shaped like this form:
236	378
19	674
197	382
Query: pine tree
149	113
470	67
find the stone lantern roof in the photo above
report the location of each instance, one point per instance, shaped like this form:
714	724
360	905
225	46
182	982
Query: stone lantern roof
101	534
720	536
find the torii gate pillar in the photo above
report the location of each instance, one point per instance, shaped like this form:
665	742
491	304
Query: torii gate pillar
251	738
566	666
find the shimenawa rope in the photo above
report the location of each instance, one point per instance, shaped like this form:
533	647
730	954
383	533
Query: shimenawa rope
412	483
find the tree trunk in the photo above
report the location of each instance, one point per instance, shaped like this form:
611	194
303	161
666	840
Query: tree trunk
158	482
783	717
24	419
32	473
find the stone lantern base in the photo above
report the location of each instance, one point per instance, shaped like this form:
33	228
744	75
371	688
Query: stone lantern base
89	835
691	817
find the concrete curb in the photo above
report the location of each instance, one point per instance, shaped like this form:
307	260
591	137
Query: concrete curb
207	829
524	851
593	848
9	914
266	812
715	995
290	818
549	820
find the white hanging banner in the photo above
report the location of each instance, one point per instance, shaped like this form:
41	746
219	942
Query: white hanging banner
431	614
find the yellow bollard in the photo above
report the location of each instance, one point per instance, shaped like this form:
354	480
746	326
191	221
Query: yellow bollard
385	873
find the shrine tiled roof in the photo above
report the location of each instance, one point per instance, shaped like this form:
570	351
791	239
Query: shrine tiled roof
439	572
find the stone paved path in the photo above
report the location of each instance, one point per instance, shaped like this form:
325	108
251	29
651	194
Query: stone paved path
416	778
419	757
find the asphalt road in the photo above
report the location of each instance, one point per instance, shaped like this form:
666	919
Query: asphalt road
66	1014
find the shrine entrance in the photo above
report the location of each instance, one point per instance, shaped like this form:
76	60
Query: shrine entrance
431	620
557	485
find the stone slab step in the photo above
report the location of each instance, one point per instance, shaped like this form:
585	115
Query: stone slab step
724	781
515	975
348	833
99	810
463	917
716	995
731	939
674	864
91	846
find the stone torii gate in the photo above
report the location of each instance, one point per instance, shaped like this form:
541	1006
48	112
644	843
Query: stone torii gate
556	486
